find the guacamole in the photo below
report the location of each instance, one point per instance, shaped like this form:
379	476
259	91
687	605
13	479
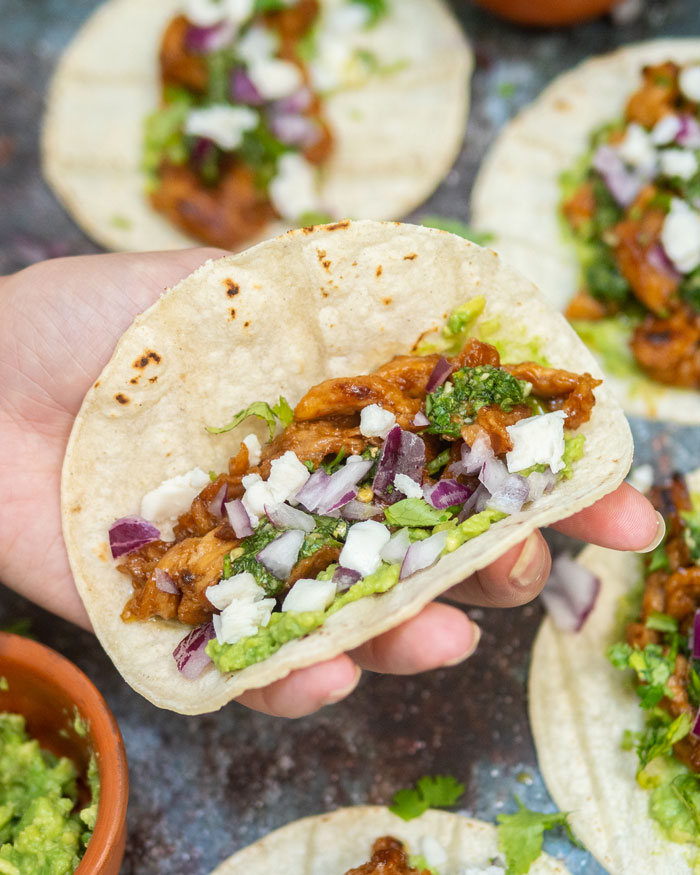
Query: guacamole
41	832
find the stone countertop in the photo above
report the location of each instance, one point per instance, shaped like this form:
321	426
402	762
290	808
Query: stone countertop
203	787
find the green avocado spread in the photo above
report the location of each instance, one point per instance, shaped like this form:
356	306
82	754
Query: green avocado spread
41	830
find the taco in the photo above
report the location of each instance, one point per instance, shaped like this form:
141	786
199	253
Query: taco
368	840
602	175
637	814
324	306
230	122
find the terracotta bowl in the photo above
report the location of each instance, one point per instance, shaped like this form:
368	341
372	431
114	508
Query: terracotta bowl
50	692
548	13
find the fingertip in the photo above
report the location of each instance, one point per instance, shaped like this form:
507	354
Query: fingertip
622	520
305	690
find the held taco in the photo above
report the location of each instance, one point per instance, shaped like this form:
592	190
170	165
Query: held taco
301	548
230	122
368	840
602	176
645	622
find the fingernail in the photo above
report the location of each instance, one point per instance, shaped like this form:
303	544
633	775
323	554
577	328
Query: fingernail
658	537
470	650
337	695
531	565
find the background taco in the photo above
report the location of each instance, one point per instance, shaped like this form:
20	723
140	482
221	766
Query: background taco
586	720
396	121
330	844
519	193
352	295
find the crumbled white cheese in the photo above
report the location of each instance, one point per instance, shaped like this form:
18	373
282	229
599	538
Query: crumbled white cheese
538	440
206	13
294	190
241	586
678	162
275	78
308	594
433	852
408	486
637	150
375	421
287	476
680	236
256	44
363	546
223	124
689	82
173	496
666	130
254	449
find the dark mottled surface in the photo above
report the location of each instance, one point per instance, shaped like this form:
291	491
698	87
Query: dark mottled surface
204	787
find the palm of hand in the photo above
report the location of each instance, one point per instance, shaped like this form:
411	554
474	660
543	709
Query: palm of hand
61	322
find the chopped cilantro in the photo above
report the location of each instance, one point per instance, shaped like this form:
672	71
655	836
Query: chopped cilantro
520	836
438	791
438	462
458	400
260	409
457	227
377	9
415	512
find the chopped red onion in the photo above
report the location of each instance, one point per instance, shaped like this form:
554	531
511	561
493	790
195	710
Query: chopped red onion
624	185
440	373
243	89
570	593
190	654
344	578
280	555
202	40
298	102
282	516
131	533
164	581
420	419
511	495
657	258
402	453
422	554
446	493
239	519
360	510
397	547
696	635
216	505
294	130
323	493
689	134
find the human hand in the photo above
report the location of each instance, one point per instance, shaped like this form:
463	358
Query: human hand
61	321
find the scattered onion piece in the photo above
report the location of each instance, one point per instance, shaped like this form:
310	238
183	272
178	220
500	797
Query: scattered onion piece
190	654
131	533
280	555
164	581
570	593
239	519
422	554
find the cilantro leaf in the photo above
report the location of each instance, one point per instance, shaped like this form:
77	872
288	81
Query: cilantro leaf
283	411
414	513
457	227
260	409
520	836
436	791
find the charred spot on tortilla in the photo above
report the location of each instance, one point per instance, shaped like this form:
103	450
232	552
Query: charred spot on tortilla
121	398
146	359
